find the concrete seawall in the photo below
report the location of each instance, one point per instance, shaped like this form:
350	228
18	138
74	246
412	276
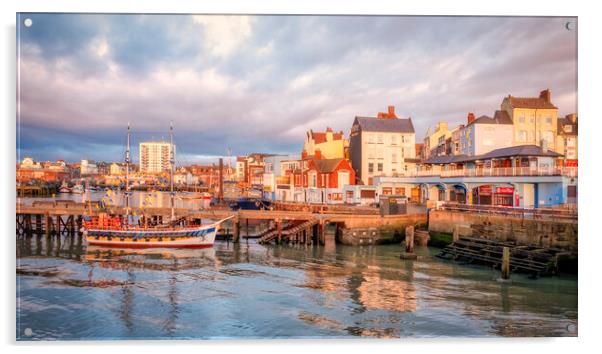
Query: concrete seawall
556	233
377	230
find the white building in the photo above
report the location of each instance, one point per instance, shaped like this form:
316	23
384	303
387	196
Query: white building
28	162
88	167
116	169
155	157
382	146
486	134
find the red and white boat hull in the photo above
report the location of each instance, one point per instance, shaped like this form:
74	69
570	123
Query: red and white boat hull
191	237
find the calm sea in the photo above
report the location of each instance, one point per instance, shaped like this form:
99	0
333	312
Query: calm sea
70	292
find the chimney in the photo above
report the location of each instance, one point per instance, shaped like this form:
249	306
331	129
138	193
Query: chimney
572	118
391	112
318	154
328	134
544	145
546	95
470	118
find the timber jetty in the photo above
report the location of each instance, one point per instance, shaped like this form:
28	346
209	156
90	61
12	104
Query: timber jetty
283	223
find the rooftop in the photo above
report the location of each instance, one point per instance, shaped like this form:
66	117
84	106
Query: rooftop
512	151
392	125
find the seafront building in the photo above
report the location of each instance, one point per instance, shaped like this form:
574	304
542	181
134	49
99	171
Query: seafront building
331	145
88	167
484	134
382	146
567	139
155	156
534	119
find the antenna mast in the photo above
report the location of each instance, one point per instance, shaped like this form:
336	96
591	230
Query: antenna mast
171	171
127	176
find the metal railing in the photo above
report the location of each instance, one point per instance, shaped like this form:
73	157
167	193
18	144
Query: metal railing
498	172
526	213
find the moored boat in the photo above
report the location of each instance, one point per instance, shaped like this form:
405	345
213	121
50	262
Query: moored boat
64	188
122	231
114	232
78	189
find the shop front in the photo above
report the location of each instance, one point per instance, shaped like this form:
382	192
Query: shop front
503	196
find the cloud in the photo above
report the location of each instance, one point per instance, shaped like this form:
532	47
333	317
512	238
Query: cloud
256	84
224	34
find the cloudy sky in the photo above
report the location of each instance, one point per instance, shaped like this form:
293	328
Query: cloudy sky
257	83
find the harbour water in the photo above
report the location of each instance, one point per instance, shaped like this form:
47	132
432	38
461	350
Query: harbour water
70	292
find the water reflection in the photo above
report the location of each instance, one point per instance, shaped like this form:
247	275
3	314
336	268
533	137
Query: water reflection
245	290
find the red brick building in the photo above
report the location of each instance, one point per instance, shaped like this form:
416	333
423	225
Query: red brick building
324	173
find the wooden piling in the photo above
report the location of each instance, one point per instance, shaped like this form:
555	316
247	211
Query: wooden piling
236	229
279	230
456	234
48	224
58	225
409	250
506	263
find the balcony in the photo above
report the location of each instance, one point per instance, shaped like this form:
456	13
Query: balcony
498	172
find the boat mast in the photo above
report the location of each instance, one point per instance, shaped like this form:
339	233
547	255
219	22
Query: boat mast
127	177
171	171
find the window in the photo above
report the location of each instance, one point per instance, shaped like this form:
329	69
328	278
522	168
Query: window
370	138
568	128
521	119
532	119
371	153
393	140
380	167
403	152
531	136
522	136
380	153
380	139
394	157
370	167
549	120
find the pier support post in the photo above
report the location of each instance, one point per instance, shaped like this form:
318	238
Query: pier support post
247	226
58	225
321	237
410	239
506	263
79	225
48	224
38	224
456	234
279	230
409	249
28	227
236	229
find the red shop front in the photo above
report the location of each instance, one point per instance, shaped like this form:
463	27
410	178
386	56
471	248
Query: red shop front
503	196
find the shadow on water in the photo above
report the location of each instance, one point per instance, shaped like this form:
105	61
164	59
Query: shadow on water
245	290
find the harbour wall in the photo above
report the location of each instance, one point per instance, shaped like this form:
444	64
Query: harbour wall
377	230
553	232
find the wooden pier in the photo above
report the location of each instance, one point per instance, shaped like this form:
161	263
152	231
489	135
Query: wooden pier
292	225
536	261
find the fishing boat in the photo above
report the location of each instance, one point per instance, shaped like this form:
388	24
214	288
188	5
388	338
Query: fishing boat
196	196
122	231
64	188
78	189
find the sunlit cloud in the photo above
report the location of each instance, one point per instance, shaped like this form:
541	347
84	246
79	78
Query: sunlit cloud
256	84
